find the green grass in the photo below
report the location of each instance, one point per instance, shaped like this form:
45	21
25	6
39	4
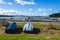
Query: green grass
56	27
34	24
23	36
28	37
38	25
20	24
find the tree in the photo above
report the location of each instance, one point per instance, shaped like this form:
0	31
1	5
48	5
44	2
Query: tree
55	15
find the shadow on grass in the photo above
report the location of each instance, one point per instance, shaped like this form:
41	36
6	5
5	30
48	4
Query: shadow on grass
19	30
15	31
35	31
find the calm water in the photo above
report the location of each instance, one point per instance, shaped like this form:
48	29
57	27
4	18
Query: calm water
23	18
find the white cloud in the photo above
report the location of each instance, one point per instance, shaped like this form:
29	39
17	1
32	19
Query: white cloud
2	2
44	14
22	2
40	9
8	12
10	3
30	9
44	11
49	9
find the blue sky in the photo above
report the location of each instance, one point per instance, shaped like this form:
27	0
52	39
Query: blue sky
29	7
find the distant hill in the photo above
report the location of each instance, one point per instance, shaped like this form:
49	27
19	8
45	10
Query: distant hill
22	16
6	16
55	15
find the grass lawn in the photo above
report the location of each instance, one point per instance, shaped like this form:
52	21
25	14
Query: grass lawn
24	36
34	24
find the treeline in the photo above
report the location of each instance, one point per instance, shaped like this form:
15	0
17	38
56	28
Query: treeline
6	16
55	15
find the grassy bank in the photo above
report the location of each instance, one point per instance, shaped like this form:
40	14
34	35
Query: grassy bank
28	37
41	36
34	24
